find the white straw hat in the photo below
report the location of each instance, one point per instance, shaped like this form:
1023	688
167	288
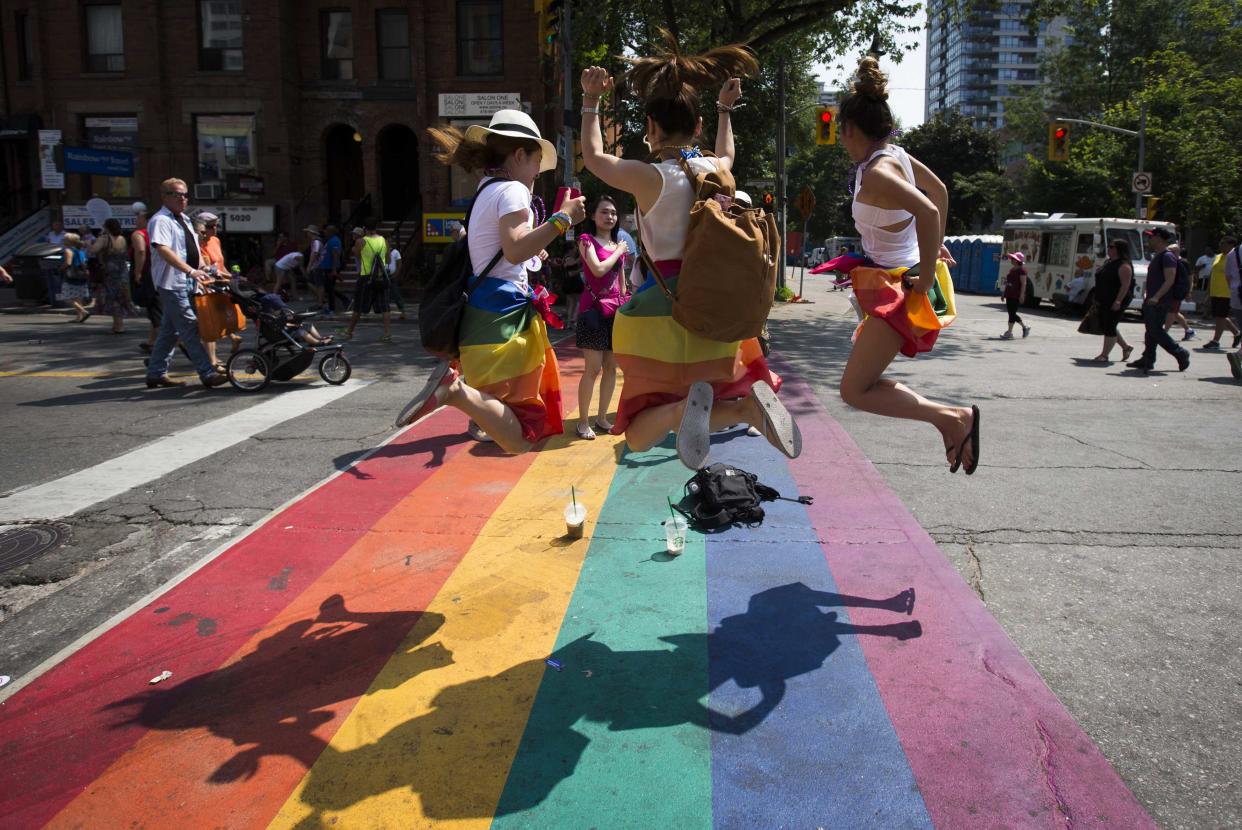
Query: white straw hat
516	124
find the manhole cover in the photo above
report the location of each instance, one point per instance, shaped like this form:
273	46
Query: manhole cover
19	545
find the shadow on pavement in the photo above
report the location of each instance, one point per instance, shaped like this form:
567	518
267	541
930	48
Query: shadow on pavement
436	445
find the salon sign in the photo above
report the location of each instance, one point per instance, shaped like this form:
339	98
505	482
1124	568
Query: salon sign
477	104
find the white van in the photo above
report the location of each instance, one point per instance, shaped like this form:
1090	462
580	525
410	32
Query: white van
1063	252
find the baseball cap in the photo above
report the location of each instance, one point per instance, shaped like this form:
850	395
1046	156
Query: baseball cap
1161	232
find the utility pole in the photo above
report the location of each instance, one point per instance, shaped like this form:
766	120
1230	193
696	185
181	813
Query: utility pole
1142	135
782	206
567	68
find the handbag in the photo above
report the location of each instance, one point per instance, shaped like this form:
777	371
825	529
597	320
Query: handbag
728	272
1091	321
218	316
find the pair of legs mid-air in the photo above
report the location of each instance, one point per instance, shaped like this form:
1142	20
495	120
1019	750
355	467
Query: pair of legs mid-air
864	387
446	387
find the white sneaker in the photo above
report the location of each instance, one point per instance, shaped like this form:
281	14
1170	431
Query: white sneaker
1007	336
1026	330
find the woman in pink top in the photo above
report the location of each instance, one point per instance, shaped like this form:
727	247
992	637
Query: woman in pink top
603	275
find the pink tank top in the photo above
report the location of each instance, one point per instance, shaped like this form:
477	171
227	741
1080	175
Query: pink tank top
606	288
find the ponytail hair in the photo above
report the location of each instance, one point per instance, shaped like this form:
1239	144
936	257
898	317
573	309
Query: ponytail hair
668	82
866	105
454	149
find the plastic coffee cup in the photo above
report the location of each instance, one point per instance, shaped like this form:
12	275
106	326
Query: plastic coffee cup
674	535
575	518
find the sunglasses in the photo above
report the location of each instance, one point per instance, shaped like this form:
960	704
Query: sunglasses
181	194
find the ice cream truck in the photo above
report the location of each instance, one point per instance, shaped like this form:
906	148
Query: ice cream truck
1064	250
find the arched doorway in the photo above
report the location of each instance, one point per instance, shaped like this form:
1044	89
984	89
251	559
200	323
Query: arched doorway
398	171
343	169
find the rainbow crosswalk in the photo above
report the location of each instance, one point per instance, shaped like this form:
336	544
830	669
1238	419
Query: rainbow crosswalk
374	655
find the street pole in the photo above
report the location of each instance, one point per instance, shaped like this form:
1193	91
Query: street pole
567	68
806	234
781	206
1142	136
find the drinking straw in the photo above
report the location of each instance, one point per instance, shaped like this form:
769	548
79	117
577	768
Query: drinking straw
671	514
573	496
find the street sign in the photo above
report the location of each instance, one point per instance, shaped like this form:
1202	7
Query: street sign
806	203
1141	183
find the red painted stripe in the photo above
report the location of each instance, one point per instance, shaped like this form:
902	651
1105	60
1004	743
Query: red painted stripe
989	743
62	722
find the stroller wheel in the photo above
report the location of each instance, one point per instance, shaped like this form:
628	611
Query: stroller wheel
334	368
248	370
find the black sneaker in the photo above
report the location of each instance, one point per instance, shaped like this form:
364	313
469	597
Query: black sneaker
1183	360
1138	364
1211	344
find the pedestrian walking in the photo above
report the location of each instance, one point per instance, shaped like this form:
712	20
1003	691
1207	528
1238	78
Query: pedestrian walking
372	290
288	267
207	225
145	293
394	265
1233	276
74	277
283	248
1218	297
314	262
603	278
508	382
1162	289
112	296
1015	290
1112	293
176	263
674	379
900	208
1175	308
330	271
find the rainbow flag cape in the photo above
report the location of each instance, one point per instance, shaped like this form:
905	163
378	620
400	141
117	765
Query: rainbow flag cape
917	317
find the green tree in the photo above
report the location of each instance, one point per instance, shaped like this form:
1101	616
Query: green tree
952	147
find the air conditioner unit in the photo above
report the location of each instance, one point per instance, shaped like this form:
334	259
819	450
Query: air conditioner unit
208	192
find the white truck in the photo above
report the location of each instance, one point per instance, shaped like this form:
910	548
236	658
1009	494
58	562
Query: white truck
1064	250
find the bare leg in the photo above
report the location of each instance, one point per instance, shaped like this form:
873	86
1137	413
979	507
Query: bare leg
1109	342
651	426
386	316
1223	323
353	322
606	386
491	414
862	387
586	386
211	351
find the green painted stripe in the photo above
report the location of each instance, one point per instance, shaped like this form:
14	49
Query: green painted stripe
618	738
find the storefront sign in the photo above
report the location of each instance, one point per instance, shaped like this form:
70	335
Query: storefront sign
118	163
245	218
52	176
442	228
477	104
95	212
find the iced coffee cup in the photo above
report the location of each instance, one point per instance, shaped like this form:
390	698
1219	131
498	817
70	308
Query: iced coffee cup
575	518
674	535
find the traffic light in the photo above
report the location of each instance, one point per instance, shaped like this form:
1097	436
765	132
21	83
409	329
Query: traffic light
768	199
825	125
1152	201
549	25
1058	141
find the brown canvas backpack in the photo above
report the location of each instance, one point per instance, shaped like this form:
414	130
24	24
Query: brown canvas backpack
728	271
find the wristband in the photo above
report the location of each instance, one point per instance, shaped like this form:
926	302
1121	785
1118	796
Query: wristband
590	110
560	221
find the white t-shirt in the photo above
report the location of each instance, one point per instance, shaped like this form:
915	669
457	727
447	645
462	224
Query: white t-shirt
289	261
483	236
316	250
55	238
394	261
1204	266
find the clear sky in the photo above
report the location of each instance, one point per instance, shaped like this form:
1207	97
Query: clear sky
906	80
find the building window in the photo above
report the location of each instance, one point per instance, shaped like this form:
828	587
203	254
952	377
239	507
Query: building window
220	35
226	144
104	38
25	41
337	34
111	132
392	27
480	38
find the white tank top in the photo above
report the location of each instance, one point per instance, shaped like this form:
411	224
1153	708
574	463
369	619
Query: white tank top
664	227
889	249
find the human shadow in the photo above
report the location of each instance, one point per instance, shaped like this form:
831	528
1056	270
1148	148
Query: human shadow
436	446
272	701
455	757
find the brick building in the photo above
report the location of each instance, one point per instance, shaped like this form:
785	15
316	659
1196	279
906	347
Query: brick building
291	111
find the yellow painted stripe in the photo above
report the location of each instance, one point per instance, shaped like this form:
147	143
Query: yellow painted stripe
431	742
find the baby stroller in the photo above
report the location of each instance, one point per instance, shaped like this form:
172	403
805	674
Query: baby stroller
278	354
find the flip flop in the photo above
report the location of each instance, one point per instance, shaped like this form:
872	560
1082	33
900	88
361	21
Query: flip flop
694	438
777	422
974	433
974	443
426	401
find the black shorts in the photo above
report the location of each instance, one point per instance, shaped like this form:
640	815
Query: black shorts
597	339
371	295
1220	306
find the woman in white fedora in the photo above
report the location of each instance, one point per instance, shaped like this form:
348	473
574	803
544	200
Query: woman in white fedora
508	382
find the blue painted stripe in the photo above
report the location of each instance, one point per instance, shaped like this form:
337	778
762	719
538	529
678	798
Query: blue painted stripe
800	735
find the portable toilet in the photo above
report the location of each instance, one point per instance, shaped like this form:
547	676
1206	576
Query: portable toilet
990	265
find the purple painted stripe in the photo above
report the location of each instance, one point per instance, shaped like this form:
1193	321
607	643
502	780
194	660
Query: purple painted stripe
989	743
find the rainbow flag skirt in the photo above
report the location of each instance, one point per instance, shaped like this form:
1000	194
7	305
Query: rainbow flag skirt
505	352
660	358
918	318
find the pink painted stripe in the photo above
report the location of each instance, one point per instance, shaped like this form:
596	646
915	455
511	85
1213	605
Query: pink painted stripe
211	616
989	743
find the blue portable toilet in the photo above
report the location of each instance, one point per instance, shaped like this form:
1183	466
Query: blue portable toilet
958	271
990	264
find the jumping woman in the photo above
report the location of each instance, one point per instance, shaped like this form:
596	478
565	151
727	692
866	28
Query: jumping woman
900	208
508	382
674	379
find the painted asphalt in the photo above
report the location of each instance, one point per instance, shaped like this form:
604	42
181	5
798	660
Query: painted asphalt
375	655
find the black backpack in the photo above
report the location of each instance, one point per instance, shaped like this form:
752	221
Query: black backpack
722	496
444	299
1181	284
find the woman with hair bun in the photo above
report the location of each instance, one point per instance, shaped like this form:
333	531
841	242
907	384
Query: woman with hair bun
900	208
508	383
674	379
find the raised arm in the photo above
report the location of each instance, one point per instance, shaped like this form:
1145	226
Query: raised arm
520	241
635	177
729	93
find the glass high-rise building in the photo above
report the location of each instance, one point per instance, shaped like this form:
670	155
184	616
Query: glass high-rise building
975	60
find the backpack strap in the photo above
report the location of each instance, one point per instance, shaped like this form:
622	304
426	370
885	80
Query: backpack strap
646	258
465	223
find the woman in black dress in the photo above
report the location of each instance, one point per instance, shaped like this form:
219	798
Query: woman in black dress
1112	292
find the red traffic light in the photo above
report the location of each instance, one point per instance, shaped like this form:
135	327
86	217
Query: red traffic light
768	199
1061	132
826	116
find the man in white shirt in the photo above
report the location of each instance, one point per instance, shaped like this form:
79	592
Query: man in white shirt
394	263
57	235
176	263
1233	275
